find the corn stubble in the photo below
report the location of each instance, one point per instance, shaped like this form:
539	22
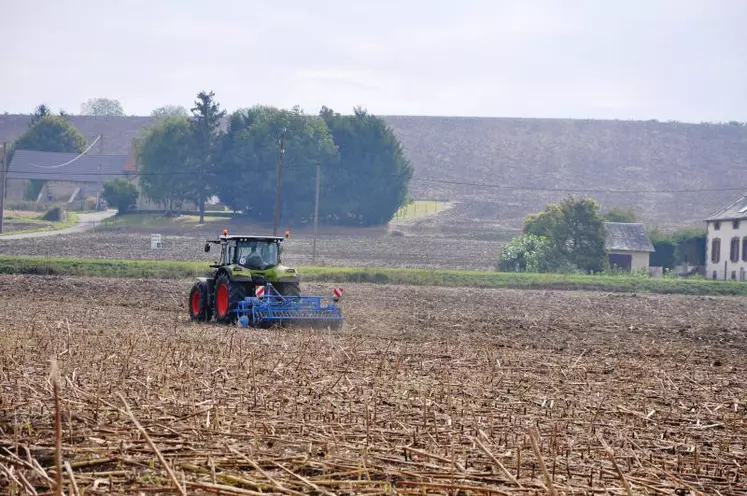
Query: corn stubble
425	390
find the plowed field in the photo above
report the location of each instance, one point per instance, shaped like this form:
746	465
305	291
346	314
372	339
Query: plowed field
350	251
424	390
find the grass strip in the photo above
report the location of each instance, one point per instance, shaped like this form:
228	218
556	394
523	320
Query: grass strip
340	275
39	225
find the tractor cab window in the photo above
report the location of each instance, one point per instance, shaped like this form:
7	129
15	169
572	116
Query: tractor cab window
258	255
227	254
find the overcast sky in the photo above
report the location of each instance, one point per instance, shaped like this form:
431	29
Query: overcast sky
629	59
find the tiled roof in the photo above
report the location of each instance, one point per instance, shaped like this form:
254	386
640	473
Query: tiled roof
627	236
118	132
56	166
733	211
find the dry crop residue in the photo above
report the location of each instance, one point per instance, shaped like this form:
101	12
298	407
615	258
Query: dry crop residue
424	389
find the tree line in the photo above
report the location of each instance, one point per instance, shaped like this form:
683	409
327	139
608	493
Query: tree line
189	156
186	158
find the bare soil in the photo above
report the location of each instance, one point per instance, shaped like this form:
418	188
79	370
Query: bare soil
424	390
351	251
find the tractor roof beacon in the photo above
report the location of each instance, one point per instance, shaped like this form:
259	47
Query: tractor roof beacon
250	285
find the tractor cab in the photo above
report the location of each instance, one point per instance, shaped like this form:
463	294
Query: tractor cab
250	252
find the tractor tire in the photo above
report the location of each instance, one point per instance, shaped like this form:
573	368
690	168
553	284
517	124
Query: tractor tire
289	288
227	295
200	309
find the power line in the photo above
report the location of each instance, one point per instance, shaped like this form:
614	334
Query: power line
577	190
69	161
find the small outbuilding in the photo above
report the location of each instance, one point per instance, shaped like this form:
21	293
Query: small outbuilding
628	245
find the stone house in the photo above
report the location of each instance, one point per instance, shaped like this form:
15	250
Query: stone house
726	247
628	245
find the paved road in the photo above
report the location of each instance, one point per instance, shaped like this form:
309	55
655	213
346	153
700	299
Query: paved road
85	222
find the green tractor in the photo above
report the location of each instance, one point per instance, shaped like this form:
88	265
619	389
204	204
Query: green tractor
246	263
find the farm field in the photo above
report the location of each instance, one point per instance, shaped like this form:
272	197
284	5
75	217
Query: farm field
349	251
424	390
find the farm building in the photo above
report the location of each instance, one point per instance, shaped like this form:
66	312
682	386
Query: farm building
628	246
68	176
726	255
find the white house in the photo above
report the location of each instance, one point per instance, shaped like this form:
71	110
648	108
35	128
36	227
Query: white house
726	249
628	246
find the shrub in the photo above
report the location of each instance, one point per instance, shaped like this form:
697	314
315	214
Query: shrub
91	203
575	231
55	214
685	245
527	253
121	194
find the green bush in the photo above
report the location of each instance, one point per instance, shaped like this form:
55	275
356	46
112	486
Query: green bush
679	247
527	253
121	194
55	214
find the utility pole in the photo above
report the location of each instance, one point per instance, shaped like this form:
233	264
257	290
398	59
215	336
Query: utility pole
101	152
316	210
278	187
4	172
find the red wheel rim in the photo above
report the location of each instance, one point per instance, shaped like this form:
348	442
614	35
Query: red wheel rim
221	300
195	302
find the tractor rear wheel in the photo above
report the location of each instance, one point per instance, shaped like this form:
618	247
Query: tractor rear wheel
199	307
228	294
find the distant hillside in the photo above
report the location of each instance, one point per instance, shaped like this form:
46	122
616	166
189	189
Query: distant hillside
574	154
535	153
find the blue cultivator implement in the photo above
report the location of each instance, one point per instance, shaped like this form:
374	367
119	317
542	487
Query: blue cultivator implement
270	308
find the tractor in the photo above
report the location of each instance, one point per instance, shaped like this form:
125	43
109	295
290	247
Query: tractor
250	286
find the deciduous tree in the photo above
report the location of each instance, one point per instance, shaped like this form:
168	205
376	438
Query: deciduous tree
121	193
39	112
527	253
101	107
163	157
619	214
52	133
46	133
169	111
576	232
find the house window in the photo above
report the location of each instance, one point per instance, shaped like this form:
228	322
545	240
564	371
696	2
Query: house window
744	249
715	250
735	224
717	225
734	250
